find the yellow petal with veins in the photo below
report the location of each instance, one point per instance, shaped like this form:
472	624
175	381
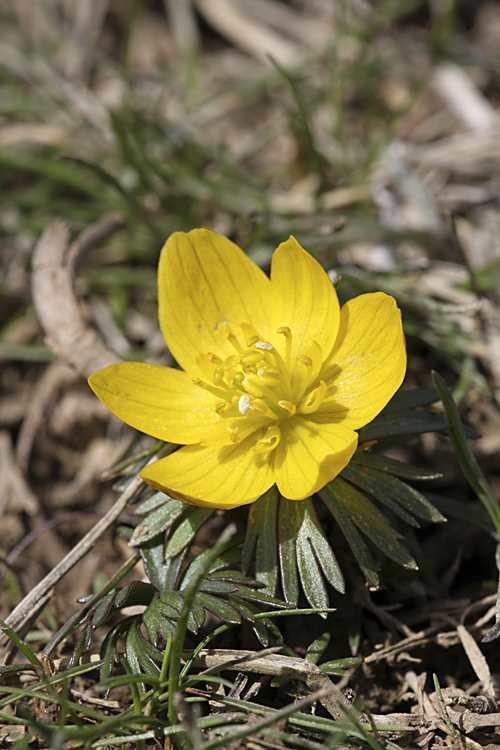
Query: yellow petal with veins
213	477
205	282
310	455
159	401
368	362
305	300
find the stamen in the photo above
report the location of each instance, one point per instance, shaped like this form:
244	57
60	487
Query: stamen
270	376
233	340
244	404
286	331
253	340
252	385
237	381
235	436
259	405
305	359
214	358
250	357
230	362
264	345
314	399
270	440
218	377
219	392
288	406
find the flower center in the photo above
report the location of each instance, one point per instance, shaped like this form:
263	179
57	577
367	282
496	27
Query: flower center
257	387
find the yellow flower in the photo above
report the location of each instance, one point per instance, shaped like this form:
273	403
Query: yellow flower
275	378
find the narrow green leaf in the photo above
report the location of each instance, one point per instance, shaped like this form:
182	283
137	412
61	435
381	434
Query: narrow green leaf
182	622
219	607
378	490
261	540
389	465
142	656
411	398
184	531
339	667
162	512
22	646
310	574
291	515
329	495
217	587
159	619
390	490
388	425
162	573
372	523
321	547
317	648
464	455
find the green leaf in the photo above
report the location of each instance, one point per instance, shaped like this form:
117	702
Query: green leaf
185	530
365	561
339	667
261	540
411	398
318	648
310	574
388	425
161	512
311	530
291	515
159	619
403	500
163	573
219	607
389	465
464	455
371	522
304	549
141	655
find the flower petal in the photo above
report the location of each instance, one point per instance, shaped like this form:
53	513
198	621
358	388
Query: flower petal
310	455
304	299
213	477
159	401
368	362
204	282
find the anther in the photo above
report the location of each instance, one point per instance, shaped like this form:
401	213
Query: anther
305	359
252	340
214	358
244	404
230	362
218	377
231	337
266	345
285	330
250	357
314	399
252	385
288	406
270	440
270	376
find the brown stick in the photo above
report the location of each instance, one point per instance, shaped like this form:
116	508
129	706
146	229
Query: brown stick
56	303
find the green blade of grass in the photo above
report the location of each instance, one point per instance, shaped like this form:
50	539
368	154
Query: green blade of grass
465	457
